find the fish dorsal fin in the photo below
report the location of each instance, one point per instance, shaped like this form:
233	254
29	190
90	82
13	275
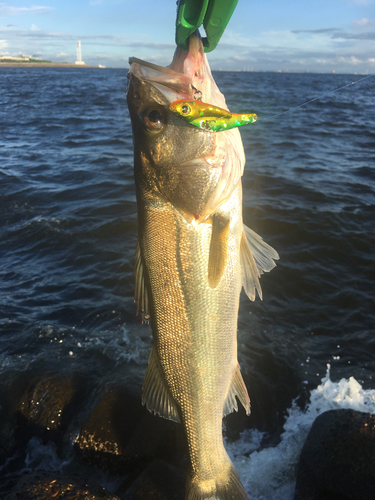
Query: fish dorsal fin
141	294
155	393
218	249
237	388
256	257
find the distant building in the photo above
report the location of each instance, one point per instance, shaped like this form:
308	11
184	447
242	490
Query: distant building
16	58
79	54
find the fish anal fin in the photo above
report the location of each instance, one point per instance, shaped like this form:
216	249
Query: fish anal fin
218	249
140	294
237	388
155	393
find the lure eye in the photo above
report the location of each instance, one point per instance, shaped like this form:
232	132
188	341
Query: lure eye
153	119
185	109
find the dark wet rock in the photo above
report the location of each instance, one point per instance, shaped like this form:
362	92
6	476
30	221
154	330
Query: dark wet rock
159	481
121	435
338	458
47	486
6	442
44	407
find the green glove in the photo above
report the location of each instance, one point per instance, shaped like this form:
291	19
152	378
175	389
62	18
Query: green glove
213	14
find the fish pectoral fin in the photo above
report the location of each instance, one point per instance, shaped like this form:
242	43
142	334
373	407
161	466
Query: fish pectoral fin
264	254
140	294
237	388
155	393
250	273
218	249
256	257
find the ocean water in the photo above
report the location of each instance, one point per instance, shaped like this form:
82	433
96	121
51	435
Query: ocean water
68	233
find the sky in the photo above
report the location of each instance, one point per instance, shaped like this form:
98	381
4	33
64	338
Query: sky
263	35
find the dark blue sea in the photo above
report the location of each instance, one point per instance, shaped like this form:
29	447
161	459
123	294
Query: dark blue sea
68	229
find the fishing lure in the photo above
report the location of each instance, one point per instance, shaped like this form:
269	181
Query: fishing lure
209	117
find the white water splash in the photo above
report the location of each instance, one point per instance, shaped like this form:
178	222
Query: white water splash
132	345
269	474
41	456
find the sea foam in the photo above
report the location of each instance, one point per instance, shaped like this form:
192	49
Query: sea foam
270	473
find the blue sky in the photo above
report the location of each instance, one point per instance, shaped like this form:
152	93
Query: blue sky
271	35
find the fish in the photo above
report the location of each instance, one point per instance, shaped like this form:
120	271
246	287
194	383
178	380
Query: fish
193	256
209	117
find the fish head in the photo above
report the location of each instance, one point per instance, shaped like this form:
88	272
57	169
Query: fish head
166	151
193	169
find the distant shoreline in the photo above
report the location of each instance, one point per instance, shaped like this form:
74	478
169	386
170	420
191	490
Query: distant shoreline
44	65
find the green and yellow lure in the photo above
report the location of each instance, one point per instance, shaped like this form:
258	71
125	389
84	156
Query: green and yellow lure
209	117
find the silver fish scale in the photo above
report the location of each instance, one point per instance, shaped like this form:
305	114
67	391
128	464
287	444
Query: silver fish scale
194	326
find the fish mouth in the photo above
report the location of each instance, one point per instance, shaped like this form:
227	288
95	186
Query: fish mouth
182	79
170	83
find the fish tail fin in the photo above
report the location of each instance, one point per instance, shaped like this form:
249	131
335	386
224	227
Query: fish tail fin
228	488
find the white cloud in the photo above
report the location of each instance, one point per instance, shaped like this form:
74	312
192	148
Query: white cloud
350	60
361	2
3	44
8	10
109	57
297	50
231	37
157	58
363	23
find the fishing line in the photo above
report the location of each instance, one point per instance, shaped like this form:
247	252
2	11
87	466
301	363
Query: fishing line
316	98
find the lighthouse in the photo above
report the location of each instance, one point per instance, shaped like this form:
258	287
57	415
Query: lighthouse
79	54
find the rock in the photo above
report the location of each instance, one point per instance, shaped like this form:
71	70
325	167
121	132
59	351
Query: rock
160	481
338	458
43	408
47	486
121	434
103	437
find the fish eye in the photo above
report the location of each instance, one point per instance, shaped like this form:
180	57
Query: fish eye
153	119
185	109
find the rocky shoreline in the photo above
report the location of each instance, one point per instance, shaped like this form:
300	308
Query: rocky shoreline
101	437
105	437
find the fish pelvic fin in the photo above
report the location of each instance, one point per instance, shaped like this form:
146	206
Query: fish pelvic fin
140	294
227	486
256	257
155	393
237	388
218	249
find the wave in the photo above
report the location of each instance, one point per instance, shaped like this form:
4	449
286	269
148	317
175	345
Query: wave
269	473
